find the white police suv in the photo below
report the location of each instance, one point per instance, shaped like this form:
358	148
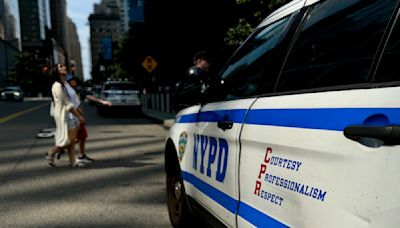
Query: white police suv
124	95
302	127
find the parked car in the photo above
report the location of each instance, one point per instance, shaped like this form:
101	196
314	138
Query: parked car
302	126
12	93
124	95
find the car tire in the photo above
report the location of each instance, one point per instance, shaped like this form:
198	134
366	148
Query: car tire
178	210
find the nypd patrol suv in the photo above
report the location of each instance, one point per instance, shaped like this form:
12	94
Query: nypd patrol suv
302	127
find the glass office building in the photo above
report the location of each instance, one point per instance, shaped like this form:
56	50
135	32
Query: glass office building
10	38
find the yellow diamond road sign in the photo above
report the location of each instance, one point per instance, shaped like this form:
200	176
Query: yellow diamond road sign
149	64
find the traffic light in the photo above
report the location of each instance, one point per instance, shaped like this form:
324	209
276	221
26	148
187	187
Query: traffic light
45	69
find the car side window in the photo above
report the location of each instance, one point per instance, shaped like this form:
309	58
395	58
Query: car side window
389	68
253	69
337	44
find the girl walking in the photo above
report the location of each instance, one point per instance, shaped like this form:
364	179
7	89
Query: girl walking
66	125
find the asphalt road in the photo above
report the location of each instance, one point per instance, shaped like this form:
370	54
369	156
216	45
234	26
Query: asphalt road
124	187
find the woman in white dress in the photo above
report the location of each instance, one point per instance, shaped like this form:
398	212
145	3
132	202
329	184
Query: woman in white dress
66	125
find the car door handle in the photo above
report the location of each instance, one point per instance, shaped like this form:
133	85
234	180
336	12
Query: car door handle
374	136
225	124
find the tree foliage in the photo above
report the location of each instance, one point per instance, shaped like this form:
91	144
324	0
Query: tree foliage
167	37
127	57
24	70
28	75
238	33
252	12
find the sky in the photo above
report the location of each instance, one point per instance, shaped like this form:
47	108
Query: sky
79	11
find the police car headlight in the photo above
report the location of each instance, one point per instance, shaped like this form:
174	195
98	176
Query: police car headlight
16	94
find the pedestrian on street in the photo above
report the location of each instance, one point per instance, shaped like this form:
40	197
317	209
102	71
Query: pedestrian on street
66	117
81	94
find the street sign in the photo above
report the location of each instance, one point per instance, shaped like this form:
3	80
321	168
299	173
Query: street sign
149	64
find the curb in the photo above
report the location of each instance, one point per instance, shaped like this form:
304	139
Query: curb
37	98
164	118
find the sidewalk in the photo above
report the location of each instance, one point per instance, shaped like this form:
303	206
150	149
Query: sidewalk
165	118
37	98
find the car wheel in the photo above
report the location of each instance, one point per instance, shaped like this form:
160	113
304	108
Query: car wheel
178	210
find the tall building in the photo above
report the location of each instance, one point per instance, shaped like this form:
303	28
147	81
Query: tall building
44	17
59	24
131	11
37	45
108	7
105	27
10	22
35	18
74	50
35	30
124	10
10	38
136	14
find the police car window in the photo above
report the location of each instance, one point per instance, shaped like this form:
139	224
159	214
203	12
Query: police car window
247	72
389	69
337	44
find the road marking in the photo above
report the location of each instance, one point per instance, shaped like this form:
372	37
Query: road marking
48	130
45	134
15	115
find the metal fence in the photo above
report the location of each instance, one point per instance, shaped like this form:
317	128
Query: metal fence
157	101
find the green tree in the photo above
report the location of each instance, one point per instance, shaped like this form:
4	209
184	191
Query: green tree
24	70
167	38
28	75
238	33
252	12
128	54
116	72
